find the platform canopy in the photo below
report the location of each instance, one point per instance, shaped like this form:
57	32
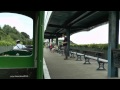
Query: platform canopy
75	21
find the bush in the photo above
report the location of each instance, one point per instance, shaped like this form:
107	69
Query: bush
6	43
99	46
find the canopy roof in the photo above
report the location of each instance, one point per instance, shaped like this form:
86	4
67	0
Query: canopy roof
75	21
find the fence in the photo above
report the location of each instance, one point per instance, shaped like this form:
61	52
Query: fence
5	48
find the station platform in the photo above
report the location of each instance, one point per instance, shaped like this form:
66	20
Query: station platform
71	69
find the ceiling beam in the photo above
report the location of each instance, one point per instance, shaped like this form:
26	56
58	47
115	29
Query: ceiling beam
49	33
64	25
83	16
53	34
76	18
56	26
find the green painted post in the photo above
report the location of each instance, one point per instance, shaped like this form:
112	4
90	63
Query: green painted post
40	45
113	41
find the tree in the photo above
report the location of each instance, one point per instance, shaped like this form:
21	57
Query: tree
0	28
25	35
14	36
9	35
7	29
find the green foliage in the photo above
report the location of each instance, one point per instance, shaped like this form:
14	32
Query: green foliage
9	35
4	43
25	35
99	46
27	42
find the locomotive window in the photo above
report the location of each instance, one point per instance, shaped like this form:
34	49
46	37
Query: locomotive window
14	28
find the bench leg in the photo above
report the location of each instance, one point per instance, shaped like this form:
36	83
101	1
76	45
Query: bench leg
71	55
78	58
87	61
62	53
101	66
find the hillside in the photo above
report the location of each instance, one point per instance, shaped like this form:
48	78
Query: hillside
9	35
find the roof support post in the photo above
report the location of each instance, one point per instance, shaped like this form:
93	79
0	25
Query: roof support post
40	45
68	40
56	40
113	41
49	42
52	40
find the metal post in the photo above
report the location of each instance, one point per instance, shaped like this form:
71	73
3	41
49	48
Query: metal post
49	42
40	45
56	40
68	40
35	39
52	40
113	41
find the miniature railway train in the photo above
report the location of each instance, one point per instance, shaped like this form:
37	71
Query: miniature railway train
25	64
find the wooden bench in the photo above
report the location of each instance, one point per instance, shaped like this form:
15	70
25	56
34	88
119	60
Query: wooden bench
96	56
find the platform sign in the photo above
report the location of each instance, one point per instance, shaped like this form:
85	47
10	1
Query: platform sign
116	57
24	73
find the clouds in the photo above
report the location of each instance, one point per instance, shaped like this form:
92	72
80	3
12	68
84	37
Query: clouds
97	35
21	22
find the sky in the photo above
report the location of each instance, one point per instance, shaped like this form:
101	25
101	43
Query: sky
98	35
21	22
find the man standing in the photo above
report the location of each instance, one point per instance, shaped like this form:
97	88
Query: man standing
65	47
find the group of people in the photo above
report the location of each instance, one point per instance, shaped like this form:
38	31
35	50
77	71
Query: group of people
62	46
52	47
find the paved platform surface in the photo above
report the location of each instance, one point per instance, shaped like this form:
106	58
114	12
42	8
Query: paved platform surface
71	69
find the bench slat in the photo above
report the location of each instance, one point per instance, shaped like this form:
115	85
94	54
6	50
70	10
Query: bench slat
91	57
80	54
95	58
73	52
103	60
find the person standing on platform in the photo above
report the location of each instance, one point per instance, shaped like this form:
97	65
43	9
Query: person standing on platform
65	46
